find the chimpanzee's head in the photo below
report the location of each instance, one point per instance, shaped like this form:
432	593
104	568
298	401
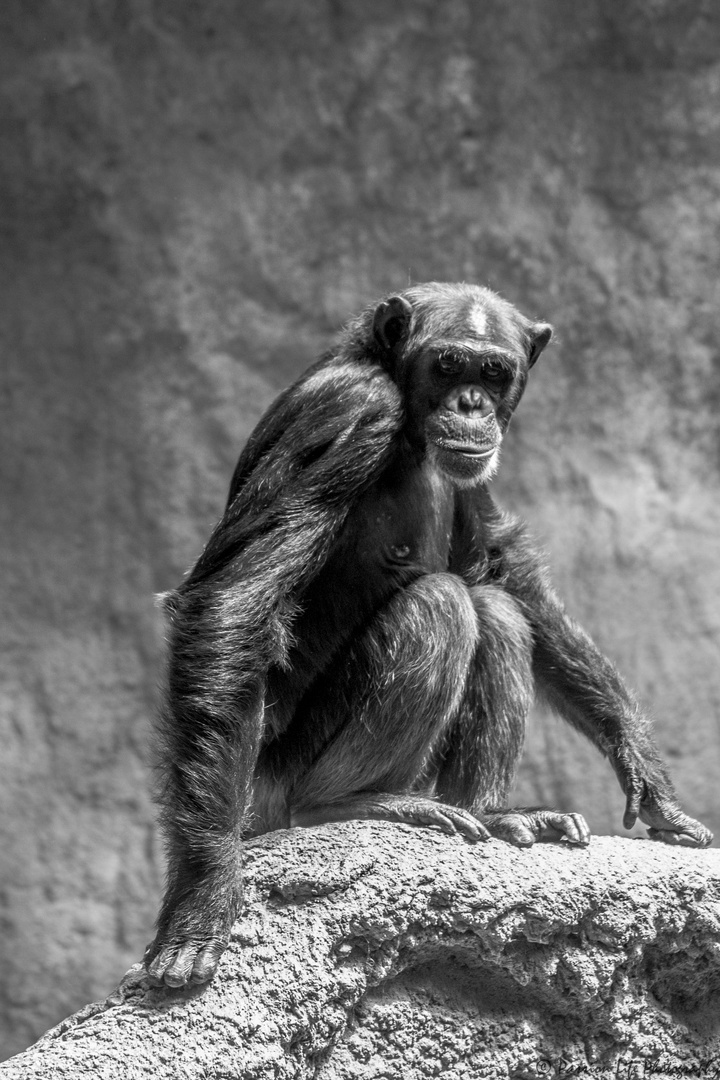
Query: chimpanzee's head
460	355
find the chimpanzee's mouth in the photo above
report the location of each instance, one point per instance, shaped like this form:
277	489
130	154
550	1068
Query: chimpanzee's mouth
467	450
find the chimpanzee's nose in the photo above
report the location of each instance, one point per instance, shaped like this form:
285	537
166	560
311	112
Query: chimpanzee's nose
470	400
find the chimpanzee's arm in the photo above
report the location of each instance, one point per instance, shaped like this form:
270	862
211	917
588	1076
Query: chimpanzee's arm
585	689
319	445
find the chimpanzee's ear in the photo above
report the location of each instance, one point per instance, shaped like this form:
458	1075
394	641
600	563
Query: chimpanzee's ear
391	322
539	335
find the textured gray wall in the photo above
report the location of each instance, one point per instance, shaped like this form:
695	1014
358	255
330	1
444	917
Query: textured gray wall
193	197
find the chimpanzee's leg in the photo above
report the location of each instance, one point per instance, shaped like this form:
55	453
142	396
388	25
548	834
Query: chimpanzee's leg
483	745
377	717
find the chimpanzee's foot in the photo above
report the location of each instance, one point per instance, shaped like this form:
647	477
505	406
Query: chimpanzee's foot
412	809
523	827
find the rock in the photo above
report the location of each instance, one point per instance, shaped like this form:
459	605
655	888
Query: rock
381	950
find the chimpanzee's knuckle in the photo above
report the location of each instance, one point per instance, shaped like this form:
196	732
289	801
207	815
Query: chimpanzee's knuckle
206	962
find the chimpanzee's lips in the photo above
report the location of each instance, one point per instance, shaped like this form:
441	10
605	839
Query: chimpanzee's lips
468	450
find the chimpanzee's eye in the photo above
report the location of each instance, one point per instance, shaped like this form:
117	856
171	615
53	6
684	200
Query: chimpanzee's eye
495	372
451	363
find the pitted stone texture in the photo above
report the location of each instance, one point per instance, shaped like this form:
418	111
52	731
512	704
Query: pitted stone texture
379	950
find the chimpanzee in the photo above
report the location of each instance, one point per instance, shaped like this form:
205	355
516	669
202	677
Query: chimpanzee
364	632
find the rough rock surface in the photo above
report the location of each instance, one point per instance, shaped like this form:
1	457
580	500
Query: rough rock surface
379	950
193	197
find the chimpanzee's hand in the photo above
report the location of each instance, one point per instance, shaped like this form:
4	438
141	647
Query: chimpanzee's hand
661	812
176	958
193	933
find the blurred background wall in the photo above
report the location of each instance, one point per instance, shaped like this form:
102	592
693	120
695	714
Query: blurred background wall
193	197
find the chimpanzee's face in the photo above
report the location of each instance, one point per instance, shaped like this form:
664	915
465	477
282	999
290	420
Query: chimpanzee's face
461	361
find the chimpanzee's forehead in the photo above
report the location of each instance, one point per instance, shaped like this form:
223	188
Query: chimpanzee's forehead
468	314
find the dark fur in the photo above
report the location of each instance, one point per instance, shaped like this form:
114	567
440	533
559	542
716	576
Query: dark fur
363	634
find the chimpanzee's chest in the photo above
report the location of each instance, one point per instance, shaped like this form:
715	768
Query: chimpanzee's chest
400	528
